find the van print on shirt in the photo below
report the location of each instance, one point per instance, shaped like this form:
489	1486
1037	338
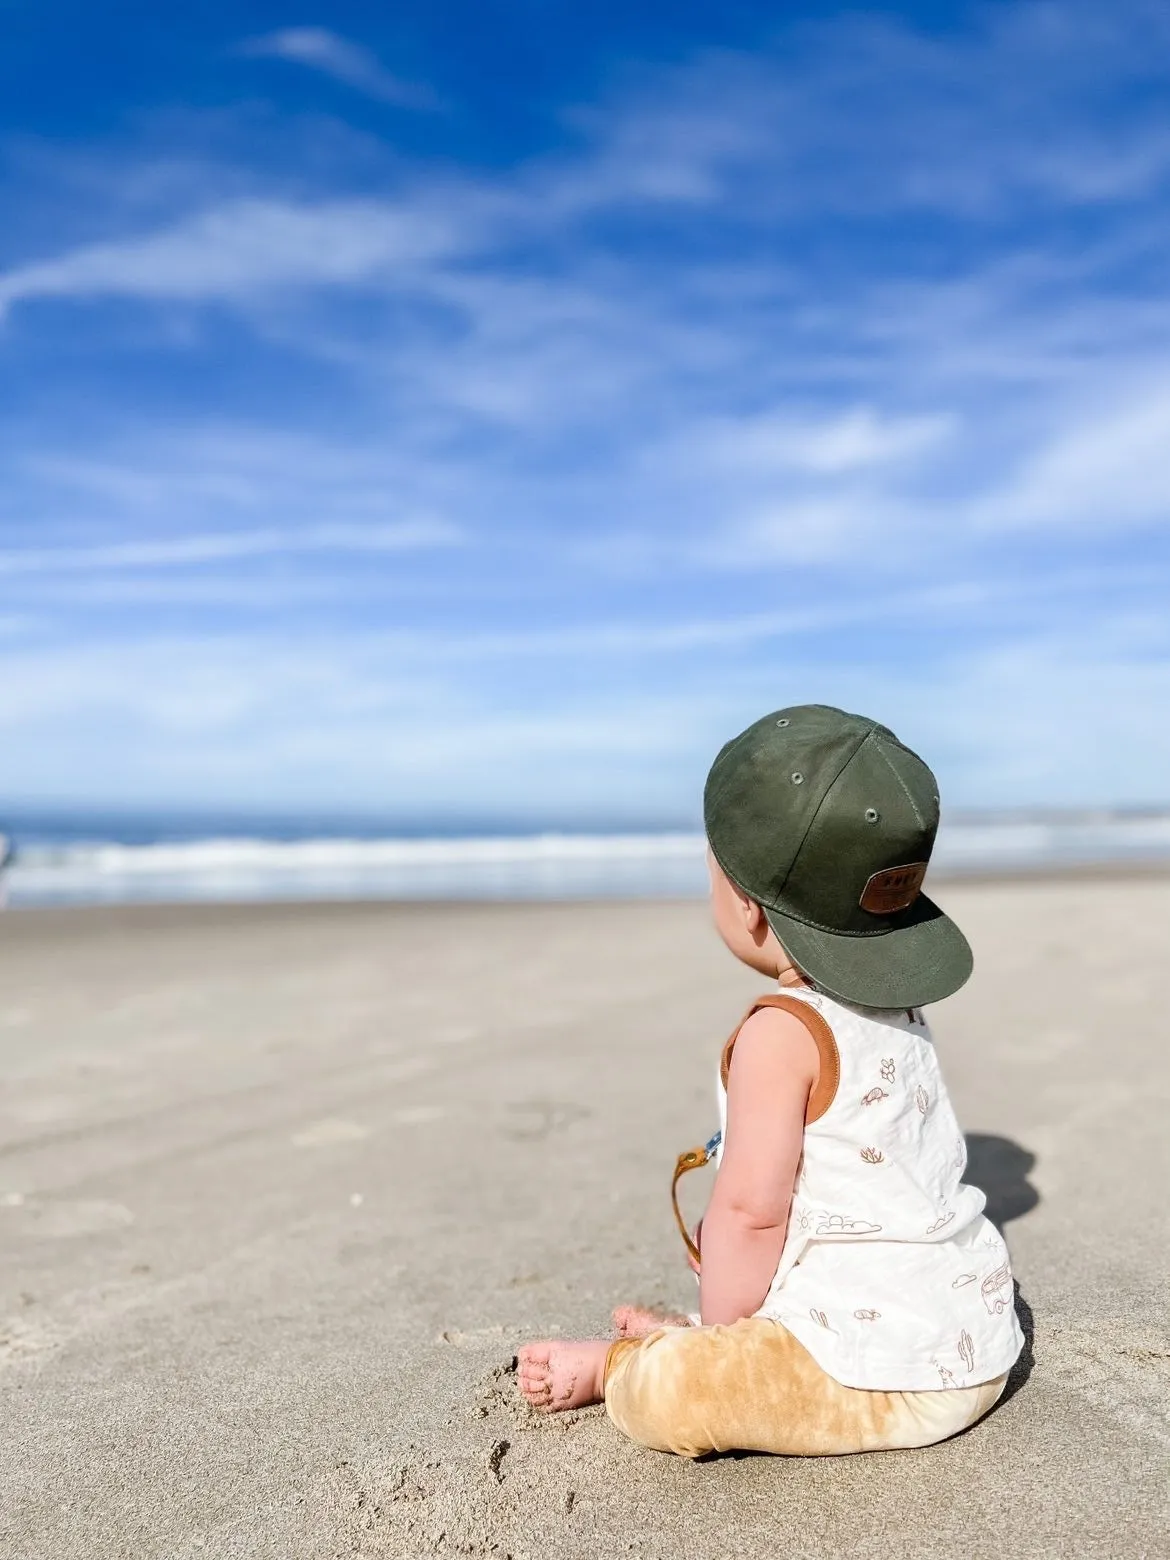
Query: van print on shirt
996	1290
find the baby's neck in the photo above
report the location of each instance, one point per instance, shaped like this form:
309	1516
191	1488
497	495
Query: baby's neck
789	975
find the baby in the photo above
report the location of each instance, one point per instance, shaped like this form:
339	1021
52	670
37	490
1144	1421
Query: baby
852	1295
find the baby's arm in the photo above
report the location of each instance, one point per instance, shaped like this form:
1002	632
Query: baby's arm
774	1068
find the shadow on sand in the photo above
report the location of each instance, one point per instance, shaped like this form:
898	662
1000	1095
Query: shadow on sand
1000	1168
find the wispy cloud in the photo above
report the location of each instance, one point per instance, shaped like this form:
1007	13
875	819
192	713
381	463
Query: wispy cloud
778	441
237	250
228	546
207	721
345	61
953	123
1108	468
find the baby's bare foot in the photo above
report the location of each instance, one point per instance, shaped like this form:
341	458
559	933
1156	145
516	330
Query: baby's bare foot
639	1321
558	1374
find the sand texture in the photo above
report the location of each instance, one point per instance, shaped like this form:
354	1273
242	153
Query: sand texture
281	1190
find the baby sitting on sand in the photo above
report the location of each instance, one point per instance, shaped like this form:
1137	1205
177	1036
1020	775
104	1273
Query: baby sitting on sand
852	1295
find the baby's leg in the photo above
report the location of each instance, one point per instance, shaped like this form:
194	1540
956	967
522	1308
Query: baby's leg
753	1387
557	1374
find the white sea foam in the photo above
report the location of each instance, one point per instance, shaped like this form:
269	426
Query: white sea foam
1057	839
517	867
544	866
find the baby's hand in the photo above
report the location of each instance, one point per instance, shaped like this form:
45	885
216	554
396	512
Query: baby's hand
639	1321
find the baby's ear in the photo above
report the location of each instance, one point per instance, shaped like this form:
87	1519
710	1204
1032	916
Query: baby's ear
752	914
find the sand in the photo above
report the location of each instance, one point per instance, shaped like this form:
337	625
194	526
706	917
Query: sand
281	1190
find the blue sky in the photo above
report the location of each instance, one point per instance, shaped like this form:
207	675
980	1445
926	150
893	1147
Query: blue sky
478	412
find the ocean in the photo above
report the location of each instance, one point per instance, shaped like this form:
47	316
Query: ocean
77	861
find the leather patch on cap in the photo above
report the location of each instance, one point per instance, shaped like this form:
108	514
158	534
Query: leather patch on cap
894	889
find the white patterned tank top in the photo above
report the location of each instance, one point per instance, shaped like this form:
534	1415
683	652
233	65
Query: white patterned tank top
891	1276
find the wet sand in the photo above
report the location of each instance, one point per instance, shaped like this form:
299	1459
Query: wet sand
282	1188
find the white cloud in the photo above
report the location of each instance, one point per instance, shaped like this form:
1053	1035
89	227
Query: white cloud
815	530
345	61
169	497
209	721
1039	717
866	115
228	546
955	127
1108	469
234	251
781	441
1061	717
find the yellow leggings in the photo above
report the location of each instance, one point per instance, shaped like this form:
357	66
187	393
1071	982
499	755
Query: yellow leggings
753	1387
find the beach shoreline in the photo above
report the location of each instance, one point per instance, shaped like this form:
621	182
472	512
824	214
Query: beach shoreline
177	862
1055	874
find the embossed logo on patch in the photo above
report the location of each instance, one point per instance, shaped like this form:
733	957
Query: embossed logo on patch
894	889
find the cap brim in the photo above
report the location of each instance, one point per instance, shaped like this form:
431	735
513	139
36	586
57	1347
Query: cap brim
922	959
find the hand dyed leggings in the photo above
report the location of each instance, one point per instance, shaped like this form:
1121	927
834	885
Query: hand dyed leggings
753	1387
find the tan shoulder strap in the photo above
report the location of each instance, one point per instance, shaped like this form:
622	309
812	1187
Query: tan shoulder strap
820	1098
829	1071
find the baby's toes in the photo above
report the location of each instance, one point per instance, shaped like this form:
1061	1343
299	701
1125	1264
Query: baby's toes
533	1375
537	1389
532	1361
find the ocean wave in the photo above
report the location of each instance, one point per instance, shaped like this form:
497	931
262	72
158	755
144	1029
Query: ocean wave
521	866
545	866
232	854
1062	839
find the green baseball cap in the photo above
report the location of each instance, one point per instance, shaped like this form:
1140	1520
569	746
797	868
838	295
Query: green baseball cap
828	822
